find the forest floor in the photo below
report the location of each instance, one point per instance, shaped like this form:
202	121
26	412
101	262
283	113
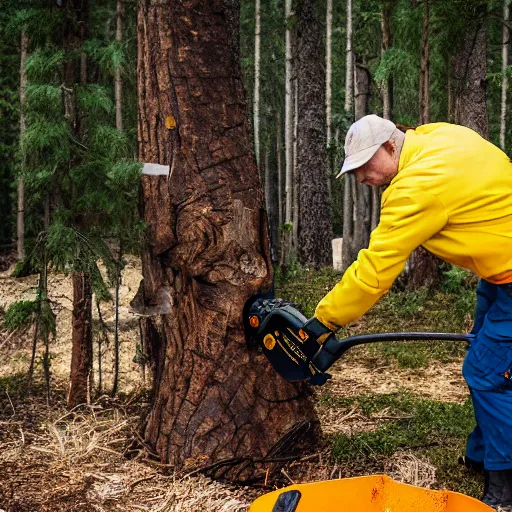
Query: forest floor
400	409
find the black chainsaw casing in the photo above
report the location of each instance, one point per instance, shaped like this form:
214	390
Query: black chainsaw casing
275	326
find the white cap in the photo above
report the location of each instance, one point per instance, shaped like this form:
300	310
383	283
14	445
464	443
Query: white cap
363	140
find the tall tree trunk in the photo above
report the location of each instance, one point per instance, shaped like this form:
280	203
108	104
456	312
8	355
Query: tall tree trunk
118	79
424	85
75	71
315	225
425	267
349	69
286	240
207	252
387	88
296	175
119	126
359	210
279	159
256	97
328	73
469	67
504	78
21	183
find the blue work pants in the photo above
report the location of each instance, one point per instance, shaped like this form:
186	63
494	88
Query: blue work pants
487	370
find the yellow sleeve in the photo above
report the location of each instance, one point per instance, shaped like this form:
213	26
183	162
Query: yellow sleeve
408	218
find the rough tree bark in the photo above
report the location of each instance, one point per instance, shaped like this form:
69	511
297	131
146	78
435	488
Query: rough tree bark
469	68
207	250
81	354
75	71
315	227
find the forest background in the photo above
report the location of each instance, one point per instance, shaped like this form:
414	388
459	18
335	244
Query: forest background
71	104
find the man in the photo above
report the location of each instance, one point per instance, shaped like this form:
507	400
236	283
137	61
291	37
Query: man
449	190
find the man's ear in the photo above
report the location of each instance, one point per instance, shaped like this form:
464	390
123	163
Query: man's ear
389	146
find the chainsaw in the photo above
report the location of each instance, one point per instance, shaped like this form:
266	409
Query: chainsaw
279	329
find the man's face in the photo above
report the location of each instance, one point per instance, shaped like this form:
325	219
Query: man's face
380	169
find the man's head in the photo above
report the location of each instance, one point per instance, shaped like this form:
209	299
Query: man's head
372	150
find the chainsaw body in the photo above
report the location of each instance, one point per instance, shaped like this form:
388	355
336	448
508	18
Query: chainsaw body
276	327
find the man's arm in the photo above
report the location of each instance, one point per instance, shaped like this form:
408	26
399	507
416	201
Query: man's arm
408	219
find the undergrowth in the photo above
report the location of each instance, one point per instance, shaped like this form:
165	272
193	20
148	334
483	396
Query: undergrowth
432	430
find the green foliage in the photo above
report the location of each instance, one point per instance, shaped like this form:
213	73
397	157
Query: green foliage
394	61
43	63
21	314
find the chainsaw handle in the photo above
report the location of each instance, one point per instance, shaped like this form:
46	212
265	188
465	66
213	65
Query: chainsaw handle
333	348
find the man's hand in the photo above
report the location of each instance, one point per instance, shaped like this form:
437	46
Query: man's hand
317	330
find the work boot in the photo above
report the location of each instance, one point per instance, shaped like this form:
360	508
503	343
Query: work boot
473	465
498	488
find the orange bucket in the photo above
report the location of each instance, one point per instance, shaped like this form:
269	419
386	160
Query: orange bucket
376	493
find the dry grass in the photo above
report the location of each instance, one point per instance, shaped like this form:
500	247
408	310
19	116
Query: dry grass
407	468
75	461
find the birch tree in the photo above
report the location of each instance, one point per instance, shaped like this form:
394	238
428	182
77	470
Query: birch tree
328	72
504	77
387	87
21	184
349	66
287	226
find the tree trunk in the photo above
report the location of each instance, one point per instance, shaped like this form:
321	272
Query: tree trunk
504	78
425	269
387	88
286	240
296	175
279	159
469	80
81	348
424	85
75	71
21	184
328	73
256	97
349	69
118	80
315	226
361	204
207	251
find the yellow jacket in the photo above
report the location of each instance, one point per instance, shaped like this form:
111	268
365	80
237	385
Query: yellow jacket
453	195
